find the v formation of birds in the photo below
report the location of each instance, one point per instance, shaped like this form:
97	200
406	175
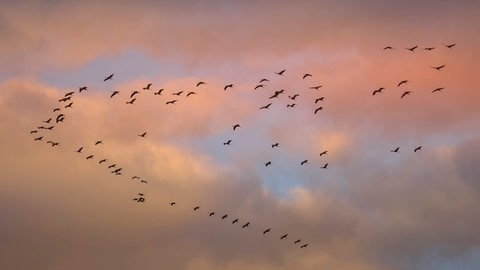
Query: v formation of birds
66	103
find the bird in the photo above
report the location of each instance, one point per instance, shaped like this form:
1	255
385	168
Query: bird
304	162
323	153
196	208
83	88
55	144
324	166
135	177
159	92
306	75
98	142
147	87
412	48
102	161
437	89
318	109
50	127
143	134
450	45
402	82
264	80
191	93
171	102
236	126
280	72
47	121
304	246
64	99
200	83
33	131
227	142
172	203
268	163
395	150
258	86
245	225
438	67
297	241
227	86
293	97
177	93
284	236
90	157
275	145
60	119
143	181
266	106
69	94
211	214
388	48
319	99
429	48
291	105
114	93
406	93
224	216
235	221
131	101
140	194
109	77
69	105
56	109
41	127
38	138
266	231
379	90
133	93
141	199
316	87
112	166
79	150
417	149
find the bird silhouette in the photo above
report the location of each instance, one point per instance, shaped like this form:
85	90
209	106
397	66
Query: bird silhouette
275	145
266	231
297	241
133	93
33	131
211	214
171	102
80	150
172	203
304	246
102	161
316	87
284	236
196	208
304	162
143	134
69	94
291	105
191	93
450	45
90	157
112	166
56	109
224	216
280	72
412	48
429	48
147	87
264	80
227	86
200	83
131	101
417	149
387	48
395	150
318	109
437	89
379	90
245	225
324	166
319	99
293	97
38	138
109	77
438	67
159	92
236	126
268	163
98	142
177	93
227	142
69	105
83	88
266	106
323	153
306	75
135	177
64	99
50	127
235	221
114	93
406	93
143	181
402	82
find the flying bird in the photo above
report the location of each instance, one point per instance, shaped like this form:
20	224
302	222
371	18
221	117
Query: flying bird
284	236
38	138
109	77
450	45
83	88
395	150
114	93
147	87
112	166
266	106
412	48
264	80
406	93
324	166
64	99
135	177
236	126
316	87
275	145
268	163
429	48
417	149
227	142
98	142
80	150
33	131
438	67
196	208
191	93
60	116
172	203
245	225
293	97
379	90
437	89
69	94
143	181
158	93
211	214
304	246
387	48
258	86
306	75
224	216
171	102
402	82
319	99
304	162
235	221
280	72
50	127
133	93
318	109
102	161
297	241
323	153
131	101
143	134
291	105
200	83
266	231
69	105
227	86
47	121
56	109
177	93
90	157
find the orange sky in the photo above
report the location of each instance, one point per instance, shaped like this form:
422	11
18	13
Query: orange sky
370	209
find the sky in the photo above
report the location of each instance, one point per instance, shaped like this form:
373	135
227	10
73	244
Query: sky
369	209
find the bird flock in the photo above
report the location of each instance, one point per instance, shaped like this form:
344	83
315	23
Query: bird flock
66	103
